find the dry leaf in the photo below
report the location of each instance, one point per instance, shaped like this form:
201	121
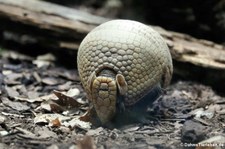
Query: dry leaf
38	99
11	78
41	63
15	105
48	118
76	122
88	115
45	133
46	57
44	60
56	122
95	132
11	114
66	101
65	86
16	56
73	92
52	106
50	81
2	119
3	133
11	92
32	94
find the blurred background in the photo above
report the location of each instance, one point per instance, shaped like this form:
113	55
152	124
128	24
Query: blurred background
200	18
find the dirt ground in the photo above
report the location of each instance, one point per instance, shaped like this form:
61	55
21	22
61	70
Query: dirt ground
31	116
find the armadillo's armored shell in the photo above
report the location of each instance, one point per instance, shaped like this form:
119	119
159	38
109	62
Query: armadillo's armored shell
129	48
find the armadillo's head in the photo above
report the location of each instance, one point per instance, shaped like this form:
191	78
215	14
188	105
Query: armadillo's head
106	88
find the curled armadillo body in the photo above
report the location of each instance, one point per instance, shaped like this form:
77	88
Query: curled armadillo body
120	61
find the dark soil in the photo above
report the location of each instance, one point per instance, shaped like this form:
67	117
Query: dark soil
187	114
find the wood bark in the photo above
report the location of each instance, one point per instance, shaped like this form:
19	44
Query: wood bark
53	26
47	24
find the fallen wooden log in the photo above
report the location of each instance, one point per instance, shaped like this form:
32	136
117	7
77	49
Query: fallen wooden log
53	26
44	23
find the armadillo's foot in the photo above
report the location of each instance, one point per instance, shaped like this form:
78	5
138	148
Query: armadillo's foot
138	112
120	104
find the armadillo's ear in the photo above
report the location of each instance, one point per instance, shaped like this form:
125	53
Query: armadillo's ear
90	80
122	84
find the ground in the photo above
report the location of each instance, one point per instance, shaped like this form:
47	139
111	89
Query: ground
31	116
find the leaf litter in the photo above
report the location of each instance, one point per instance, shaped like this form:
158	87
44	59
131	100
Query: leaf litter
44	106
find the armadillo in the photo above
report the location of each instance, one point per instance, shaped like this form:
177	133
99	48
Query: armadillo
121	61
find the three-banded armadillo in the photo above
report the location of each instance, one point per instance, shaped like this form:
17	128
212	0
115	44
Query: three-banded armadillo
119	62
